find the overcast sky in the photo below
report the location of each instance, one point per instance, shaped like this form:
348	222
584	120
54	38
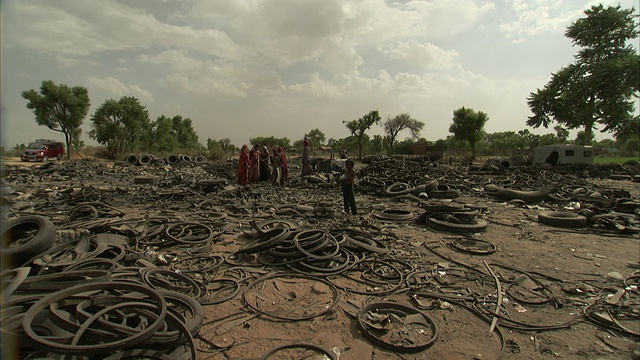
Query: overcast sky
242	69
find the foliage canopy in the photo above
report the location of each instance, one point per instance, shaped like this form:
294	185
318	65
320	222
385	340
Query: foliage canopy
60	108
122	125
358	127
393	126
599	87
468	125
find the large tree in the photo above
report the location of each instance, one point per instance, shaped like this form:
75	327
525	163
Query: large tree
394	125
315	137
468	125
120	125
600	86
358	127
59	107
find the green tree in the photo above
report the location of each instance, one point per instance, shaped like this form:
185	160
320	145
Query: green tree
581	138
599	87
120	125
184	132
162	139
562	134
59	107
631	147
502	143
631	130
75	139
468	125
315	137
271	142
393	126
359	126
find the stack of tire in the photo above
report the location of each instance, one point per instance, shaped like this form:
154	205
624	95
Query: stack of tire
151	159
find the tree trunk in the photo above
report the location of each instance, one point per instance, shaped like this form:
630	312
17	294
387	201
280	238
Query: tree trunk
588	133
473	150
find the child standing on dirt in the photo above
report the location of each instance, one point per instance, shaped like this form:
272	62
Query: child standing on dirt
346	181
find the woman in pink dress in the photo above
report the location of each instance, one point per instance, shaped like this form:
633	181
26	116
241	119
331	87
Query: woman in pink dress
254	164
243	166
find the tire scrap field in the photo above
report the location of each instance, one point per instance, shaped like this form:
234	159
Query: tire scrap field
159	261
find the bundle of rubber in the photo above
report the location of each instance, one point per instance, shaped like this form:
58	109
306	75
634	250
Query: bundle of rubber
563	219
265	241
529	197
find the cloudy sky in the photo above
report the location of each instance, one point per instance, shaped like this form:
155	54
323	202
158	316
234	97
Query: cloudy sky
242	69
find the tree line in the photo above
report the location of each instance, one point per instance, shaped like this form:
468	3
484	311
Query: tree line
597	90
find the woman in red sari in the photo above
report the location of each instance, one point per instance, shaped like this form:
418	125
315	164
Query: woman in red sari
243	166
284	166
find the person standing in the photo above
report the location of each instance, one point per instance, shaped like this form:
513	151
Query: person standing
306	164
346	182
284	166
243	166
276	173
265	163
254	164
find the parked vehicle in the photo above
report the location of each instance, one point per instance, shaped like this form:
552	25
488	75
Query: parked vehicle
43	150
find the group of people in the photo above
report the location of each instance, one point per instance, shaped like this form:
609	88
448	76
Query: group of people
258	164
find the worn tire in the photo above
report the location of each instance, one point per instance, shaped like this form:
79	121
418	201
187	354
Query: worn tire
19	229
398	188
444	194
477	225
425	188
563	219
527	196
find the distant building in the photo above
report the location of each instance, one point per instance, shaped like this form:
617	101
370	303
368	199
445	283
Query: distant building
562	154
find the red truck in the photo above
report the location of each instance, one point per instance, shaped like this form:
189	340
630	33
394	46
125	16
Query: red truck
43	150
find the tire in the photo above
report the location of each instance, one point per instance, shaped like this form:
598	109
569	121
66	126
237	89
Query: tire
45	159
477	225
563	219
619	177
131	159
145	159
527	196
20	229
425	188
398	188
443	194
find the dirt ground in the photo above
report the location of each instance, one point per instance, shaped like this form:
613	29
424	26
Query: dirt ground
576	266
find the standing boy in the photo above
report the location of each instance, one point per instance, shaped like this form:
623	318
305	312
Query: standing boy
346	180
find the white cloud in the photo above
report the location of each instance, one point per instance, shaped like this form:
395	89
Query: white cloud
115	88
424	55
537	17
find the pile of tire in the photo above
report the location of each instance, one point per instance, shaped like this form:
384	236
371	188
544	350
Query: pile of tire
151	159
